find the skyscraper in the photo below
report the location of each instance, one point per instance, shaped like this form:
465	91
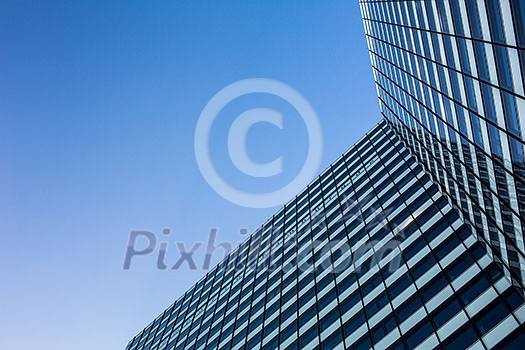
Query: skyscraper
449	76
414	237
370	254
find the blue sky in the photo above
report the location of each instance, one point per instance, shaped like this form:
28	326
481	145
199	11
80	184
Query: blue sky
98	107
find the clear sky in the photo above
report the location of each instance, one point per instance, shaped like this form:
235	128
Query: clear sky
99	101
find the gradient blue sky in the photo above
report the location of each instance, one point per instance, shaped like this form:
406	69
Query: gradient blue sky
98	106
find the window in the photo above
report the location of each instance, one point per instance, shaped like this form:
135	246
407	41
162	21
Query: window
288	331
369	285
289	312
478	250
354	323
463	232
255	323
308	336
408	308
418	334
423	266
306	316
383	328
350	301
462	339
309	295
436	229
346	282
434	287
495	21
414	248
270	310
272	344
491	316
330	318
516	342
377	304
473	290
362	344
446	312
460	265
332	341
400	285
447	246
269	328
239	337
513	299
327	299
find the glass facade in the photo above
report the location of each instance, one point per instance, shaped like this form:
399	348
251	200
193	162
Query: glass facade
450	79
413	239
370	255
